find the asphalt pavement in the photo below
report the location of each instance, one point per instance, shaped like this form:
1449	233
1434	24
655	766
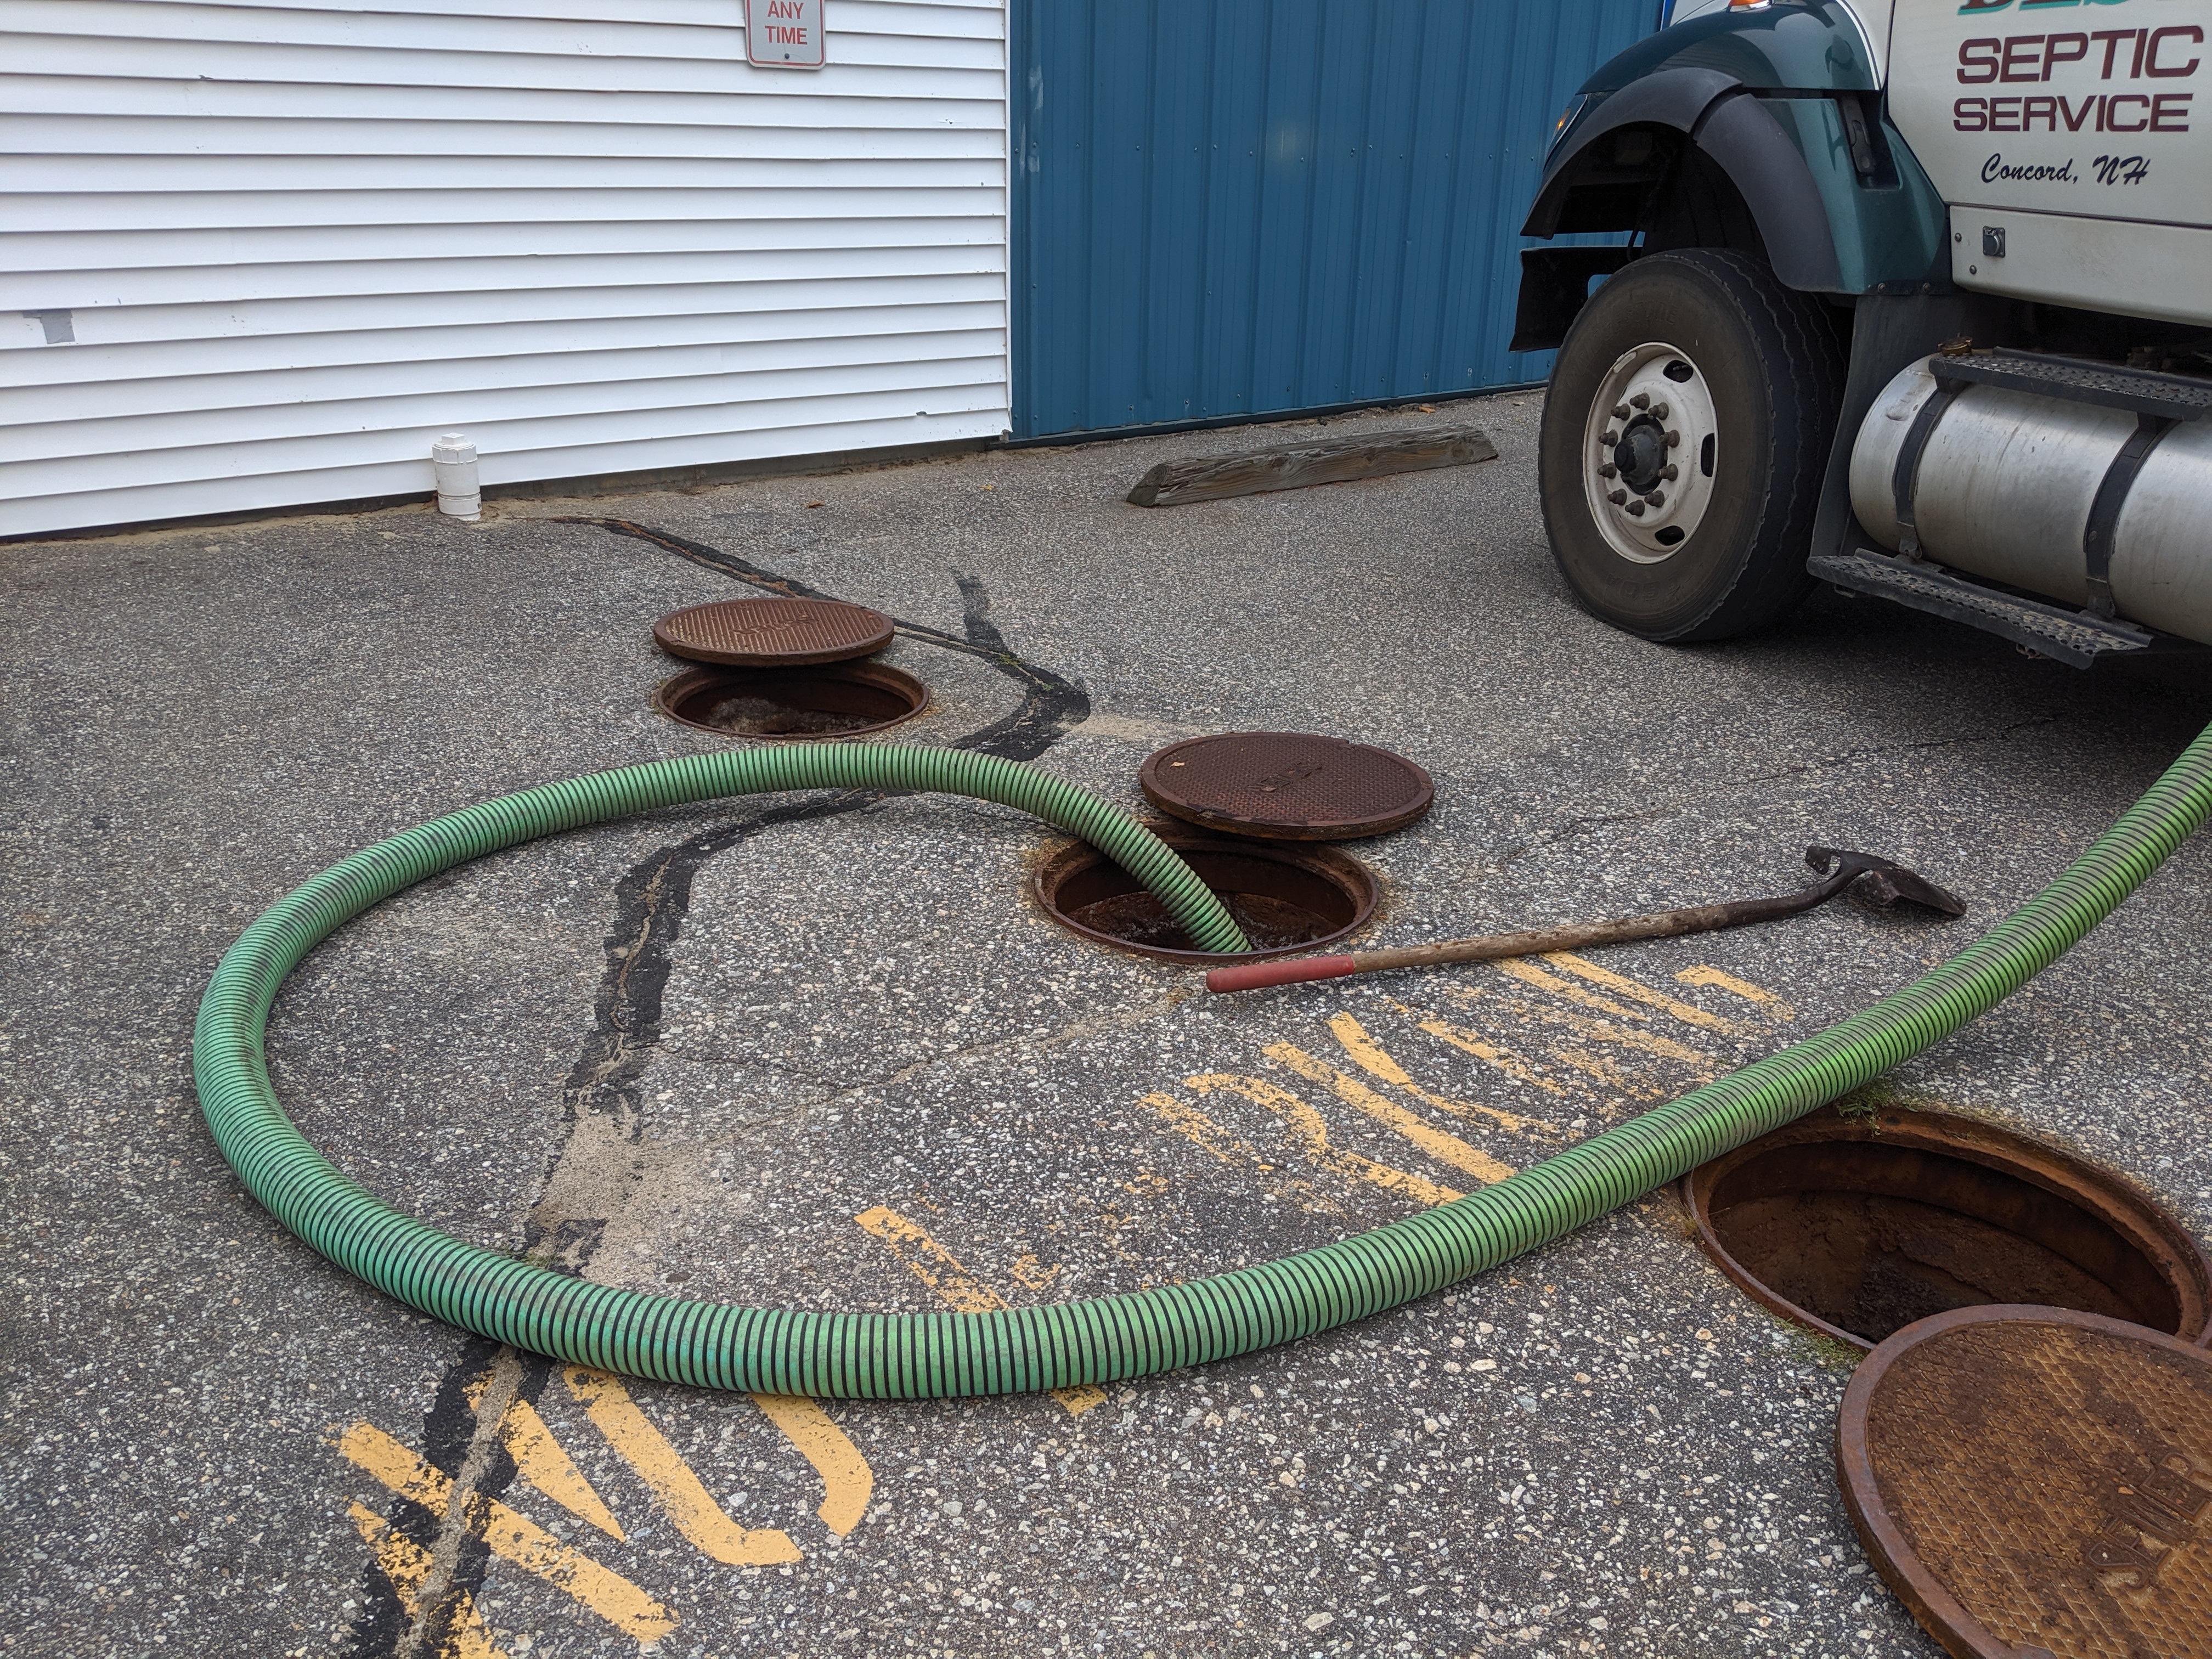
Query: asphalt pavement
825	1053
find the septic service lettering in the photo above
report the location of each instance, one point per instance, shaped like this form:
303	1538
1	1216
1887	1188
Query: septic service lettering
2155	54
2123	112
2033	56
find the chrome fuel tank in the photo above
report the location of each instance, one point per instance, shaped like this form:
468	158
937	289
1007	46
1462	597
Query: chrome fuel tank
2004	487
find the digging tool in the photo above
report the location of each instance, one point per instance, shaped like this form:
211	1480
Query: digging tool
1880	882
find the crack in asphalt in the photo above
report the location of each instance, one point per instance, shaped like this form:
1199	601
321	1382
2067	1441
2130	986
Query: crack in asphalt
1578	826
652	899
434	1599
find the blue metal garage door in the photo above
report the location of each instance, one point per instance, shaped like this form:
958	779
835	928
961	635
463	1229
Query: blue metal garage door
1227	206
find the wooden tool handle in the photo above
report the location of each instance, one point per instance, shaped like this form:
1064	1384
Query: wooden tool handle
1540	941
1536	942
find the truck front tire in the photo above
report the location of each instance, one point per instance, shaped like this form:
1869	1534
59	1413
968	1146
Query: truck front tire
1686	436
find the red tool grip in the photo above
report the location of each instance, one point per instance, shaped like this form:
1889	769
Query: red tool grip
1251	975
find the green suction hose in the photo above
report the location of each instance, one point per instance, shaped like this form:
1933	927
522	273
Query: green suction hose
933	1355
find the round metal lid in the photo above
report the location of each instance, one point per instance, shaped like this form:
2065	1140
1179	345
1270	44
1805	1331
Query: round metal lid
1286	785
2036	1483
773	633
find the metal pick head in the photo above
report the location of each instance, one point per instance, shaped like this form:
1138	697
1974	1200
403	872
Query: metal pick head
1881	882
1886	887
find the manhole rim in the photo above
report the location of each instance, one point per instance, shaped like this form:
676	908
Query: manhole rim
880	675
879	632
1325	861
1256	830
2138	1216
1931	1602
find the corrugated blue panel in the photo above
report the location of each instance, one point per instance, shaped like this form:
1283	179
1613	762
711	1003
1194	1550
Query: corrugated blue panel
1231	207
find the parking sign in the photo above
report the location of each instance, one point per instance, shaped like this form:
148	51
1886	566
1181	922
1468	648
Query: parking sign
784	33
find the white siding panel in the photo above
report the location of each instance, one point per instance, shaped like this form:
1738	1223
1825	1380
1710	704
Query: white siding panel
455	203
516	388
167	256
294	242
881	246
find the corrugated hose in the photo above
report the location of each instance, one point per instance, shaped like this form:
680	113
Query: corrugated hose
921	1356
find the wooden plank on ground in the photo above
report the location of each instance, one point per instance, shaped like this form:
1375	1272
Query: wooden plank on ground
1313	461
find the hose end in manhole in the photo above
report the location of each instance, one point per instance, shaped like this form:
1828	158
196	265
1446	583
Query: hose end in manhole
1286	898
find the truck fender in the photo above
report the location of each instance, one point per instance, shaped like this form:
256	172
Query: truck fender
1675	98
1583	191
1779	189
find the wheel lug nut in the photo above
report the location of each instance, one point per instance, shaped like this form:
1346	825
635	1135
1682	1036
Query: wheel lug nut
1609	440
1618	497
1608	469
1636	509
1674	440
1620	411
1655	499
1671	473
1642	400
1658	411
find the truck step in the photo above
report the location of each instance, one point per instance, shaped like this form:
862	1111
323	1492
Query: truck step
2077	380
2067	636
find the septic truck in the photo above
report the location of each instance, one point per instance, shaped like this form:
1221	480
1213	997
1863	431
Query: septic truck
1915	299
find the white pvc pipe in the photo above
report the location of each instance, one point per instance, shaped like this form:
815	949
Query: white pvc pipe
454	459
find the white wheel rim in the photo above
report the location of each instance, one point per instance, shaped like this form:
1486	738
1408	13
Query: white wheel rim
1646	515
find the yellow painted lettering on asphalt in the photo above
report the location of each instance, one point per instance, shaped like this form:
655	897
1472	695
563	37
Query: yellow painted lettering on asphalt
511	1535
1482	1048
1585	1025
1373	1058
687	1502
1205	1134
1444	1148
1194	1125
1311	1132
931	1263
407	1564
847	1479
954	1286
1600	1070
1764	1001
539	1459
1529	974
1636	991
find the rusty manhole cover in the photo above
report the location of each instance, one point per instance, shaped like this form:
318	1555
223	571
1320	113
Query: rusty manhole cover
773	633
1286	785
1285	899
2036	1483
1859	1224
834	700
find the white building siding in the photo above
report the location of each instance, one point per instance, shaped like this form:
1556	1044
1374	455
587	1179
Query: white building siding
297	241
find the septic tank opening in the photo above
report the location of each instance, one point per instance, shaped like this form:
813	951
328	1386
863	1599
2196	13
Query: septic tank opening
1857	1225
1286	897
836	699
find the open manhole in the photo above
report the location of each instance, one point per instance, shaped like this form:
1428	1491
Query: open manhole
1285	898
837	700
1858	1225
